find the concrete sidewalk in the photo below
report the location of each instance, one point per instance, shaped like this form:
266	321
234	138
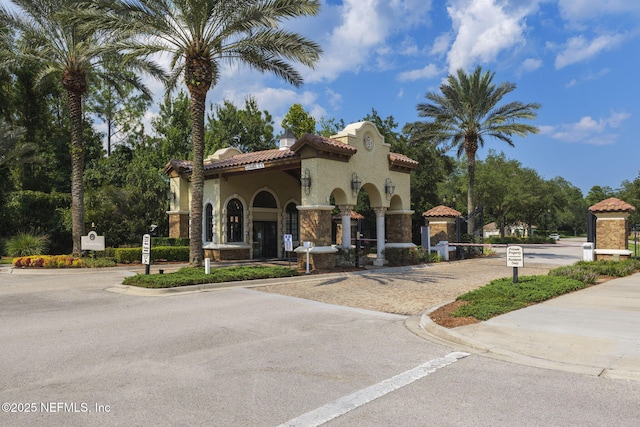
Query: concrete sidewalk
595	331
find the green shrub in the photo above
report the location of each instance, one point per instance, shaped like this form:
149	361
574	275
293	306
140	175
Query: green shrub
588	271
25	244
407	256
164	253
502	295
194	276
169	241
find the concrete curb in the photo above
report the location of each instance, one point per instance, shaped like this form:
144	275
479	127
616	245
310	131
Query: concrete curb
424	327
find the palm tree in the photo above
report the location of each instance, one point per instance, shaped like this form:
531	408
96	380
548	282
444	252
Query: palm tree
12	151
465	113
199	35
58	47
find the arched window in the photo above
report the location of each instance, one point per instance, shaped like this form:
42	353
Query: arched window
264	199
234	221
291	222
208	222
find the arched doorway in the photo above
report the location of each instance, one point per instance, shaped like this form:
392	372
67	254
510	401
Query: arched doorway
265	225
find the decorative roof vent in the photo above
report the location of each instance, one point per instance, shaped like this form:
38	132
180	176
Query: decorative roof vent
287	140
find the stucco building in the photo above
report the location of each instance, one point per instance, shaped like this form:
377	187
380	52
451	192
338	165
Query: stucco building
251	200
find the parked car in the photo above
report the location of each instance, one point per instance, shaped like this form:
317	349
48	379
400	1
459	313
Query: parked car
554	236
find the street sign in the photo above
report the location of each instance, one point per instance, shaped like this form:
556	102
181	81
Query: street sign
146	249
515	256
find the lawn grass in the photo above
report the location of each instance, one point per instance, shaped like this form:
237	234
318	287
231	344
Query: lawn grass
502	295
196	275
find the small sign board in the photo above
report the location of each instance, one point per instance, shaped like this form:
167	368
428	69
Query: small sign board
146	249
288	243
515	256
92	242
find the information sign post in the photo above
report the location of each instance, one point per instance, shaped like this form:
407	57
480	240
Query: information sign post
515	259
146	252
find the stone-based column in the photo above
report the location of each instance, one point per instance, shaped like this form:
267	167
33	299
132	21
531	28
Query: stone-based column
179	225
315	227
380	236
398	226
345	214
612	238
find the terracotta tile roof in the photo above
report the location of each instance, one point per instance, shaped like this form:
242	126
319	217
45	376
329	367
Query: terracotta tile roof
402	160
612	205
180	166
249	158
322	143
442	211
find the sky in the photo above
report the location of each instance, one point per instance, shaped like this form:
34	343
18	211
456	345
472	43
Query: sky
577	58
574	57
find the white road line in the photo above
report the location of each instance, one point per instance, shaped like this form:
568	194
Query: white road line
348	403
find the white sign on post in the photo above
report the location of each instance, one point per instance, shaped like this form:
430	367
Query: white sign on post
515	256
146	249
92	242
288	243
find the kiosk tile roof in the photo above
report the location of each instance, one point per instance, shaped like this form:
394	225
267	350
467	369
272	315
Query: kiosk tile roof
249	158
441	210
402	160
323	143
612	205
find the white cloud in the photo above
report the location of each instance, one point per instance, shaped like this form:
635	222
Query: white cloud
576	11
579	49
484	28
588	130
530	64
588	77
428	72
359	39
335	99
441	44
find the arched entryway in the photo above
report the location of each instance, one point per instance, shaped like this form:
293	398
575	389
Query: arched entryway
265	225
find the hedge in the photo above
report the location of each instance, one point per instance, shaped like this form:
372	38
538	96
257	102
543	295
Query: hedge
164	253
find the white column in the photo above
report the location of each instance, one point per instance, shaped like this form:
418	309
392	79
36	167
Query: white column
345	213
380	234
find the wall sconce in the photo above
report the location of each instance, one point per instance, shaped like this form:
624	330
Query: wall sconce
305	181
444	200
356	183
171	195
389	188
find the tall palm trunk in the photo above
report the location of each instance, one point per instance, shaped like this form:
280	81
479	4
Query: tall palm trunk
198	75
471	147
77	169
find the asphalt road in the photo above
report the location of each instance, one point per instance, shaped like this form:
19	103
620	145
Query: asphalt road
74	354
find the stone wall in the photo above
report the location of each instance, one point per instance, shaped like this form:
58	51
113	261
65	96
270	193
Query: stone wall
398	228
612	233
315	226
442	231
179	226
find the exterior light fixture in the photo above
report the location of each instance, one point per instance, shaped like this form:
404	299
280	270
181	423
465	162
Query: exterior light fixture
389	187
444	200
356	183
305	181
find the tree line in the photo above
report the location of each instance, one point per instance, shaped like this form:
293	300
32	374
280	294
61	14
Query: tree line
70	79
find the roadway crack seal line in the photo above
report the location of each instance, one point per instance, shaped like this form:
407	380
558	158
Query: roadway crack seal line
348	403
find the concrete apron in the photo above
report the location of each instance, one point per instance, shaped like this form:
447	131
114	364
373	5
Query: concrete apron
595	331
